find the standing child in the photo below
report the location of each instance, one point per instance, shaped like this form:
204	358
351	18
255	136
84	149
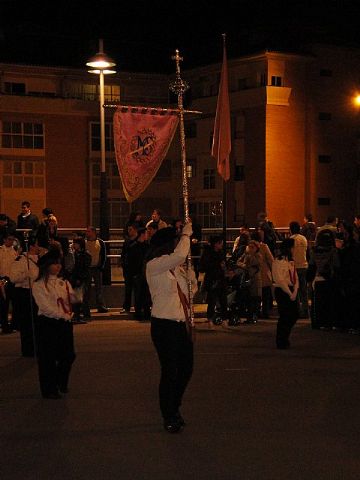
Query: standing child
55	342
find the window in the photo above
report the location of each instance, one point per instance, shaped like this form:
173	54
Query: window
324	158
324	116
323	201
91	92
118	212
239	173
276	81
209	214
96	140
190	130
23	174
22	135
209	178
191	168
112	176
12	88
324	72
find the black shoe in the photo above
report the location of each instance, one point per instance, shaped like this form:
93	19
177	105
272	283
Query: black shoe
173	426
102	310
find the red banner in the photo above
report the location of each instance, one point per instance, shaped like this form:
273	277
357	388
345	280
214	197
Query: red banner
141	142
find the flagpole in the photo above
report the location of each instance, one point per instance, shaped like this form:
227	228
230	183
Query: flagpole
224	216
179	87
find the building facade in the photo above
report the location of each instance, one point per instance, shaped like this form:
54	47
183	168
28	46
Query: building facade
295	140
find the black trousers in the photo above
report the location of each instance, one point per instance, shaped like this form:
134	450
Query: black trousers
24	315
129	287
55	343
142	297
324	305
175	351
4	307
214	296
288	314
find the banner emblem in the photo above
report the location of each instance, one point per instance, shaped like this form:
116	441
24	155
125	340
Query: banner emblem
141	142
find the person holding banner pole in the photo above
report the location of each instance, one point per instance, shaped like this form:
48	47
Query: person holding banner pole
170	320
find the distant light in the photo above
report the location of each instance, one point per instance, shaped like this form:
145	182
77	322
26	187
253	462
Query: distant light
357	100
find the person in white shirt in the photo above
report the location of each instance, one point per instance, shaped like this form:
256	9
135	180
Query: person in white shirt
286	285
23	272
55	343
7	258
301	265
170	329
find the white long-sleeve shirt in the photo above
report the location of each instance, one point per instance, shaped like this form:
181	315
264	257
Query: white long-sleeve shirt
53	298
22	270
162	283
285	276
7	257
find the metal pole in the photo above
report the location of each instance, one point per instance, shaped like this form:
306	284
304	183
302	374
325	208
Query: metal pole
104	203
179	86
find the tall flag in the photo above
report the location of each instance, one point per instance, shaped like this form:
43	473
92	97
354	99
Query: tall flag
221	146
141	143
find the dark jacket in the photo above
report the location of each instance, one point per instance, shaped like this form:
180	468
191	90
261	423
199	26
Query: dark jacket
9	228
81	273
212	264
31	221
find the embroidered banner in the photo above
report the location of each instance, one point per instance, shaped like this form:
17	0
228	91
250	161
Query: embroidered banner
141	142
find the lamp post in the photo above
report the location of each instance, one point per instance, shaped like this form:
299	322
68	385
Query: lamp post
101	65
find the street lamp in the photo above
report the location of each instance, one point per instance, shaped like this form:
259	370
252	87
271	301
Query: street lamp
101	65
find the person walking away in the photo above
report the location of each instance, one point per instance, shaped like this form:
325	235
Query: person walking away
7	258
23	272
301	265
97	249
286	287
55	343
170	330
213	265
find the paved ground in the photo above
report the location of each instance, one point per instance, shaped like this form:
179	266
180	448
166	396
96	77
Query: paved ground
253	412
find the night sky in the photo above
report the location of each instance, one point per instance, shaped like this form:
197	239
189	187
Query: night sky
142	35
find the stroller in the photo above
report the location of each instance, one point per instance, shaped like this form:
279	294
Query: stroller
237	297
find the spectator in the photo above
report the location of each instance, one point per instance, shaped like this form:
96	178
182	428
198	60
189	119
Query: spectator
151	229
156	217
266	276
213	265
301	265
137	255
270	235
330	225
241	242
322	273
308	229
250	261
80	277
7	227
27	220
195	245
127	265
134	217
97	249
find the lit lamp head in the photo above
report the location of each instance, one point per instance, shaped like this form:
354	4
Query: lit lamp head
101	63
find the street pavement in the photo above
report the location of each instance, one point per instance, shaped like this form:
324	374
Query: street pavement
252	412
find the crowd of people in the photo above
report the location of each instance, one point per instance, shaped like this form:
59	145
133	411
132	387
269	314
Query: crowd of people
310	272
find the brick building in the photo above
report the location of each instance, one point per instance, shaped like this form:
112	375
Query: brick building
295	140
